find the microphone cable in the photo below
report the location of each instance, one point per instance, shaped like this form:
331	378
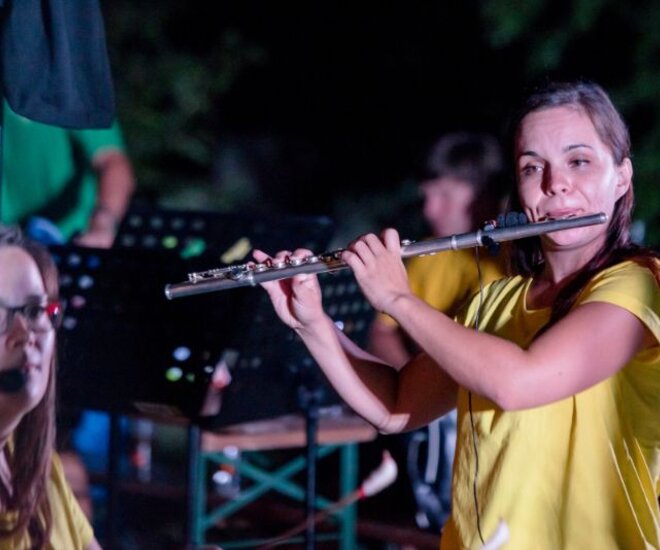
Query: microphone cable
510	219
475	445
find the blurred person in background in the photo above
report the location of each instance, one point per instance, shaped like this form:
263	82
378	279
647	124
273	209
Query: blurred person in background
462	185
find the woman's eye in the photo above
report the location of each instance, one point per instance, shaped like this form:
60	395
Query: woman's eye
35	312
530	170
579	162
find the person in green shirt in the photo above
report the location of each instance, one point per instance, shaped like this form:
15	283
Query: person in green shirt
81	181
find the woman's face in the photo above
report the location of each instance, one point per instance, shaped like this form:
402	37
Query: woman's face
448	205
21	347
565	170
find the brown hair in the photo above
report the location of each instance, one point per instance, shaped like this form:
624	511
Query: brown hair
526	255
30	454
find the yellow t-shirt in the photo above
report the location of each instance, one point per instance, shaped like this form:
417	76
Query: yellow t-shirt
71	530
447	279
579	473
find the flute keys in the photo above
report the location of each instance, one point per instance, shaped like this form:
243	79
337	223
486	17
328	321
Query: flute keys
236	273
333	255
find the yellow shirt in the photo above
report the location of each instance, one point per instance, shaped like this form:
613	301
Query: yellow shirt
71	530
579	473
447	279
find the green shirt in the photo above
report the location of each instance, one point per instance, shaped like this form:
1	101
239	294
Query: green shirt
47	171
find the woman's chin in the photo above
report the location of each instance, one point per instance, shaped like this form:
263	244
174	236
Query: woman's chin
32	391
569	239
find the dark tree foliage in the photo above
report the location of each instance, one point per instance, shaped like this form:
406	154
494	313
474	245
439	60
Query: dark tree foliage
614	43
325	108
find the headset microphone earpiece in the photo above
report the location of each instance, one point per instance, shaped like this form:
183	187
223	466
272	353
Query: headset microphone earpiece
12	380
508	219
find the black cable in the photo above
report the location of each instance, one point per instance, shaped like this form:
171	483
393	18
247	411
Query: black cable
474	432
476	469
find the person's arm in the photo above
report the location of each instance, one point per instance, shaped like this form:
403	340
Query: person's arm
587	346
391	400
116	184
94	545
386	342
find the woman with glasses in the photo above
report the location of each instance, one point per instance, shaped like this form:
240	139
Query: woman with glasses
555	369
37	507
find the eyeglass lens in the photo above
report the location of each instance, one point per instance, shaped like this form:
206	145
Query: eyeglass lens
38	318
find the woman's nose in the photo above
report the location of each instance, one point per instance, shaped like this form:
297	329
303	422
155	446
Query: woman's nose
18	333
555	182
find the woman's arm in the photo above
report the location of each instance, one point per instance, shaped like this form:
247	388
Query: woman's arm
390	400
394	401
587	346
386	341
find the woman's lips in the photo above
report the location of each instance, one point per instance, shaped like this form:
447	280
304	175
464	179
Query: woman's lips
559	215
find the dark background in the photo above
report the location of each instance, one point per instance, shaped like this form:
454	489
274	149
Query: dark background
325	107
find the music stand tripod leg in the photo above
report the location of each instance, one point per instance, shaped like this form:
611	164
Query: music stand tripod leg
309	395
194	530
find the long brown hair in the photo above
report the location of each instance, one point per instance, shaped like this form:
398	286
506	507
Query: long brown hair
526	254
29	457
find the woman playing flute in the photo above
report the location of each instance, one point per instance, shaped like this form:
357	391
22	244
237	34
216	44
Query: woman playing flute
555	369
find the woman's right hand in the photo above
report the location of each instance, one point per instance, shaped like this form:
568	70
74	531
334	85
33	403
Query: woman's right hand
298	300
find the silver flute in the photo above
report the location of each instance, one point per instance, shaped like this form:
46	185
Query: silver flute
252	274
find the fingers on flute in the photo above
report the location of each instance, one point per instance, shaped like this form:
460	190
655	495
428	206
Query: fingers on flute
260	256
391	239
285	256
304	278
362	244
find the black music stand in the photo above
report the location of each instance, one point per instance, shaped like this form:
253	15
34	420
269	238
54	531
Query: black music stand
267	354
261	352
126	349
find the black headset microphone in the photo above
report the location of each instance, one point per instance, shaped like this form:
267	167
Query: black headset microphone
12	380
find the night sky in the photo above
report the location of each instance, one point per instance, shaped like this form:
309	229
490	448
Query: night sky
348	97
366	90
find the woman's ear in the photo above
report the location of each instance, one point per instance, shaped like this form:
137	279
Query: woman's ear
624	177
